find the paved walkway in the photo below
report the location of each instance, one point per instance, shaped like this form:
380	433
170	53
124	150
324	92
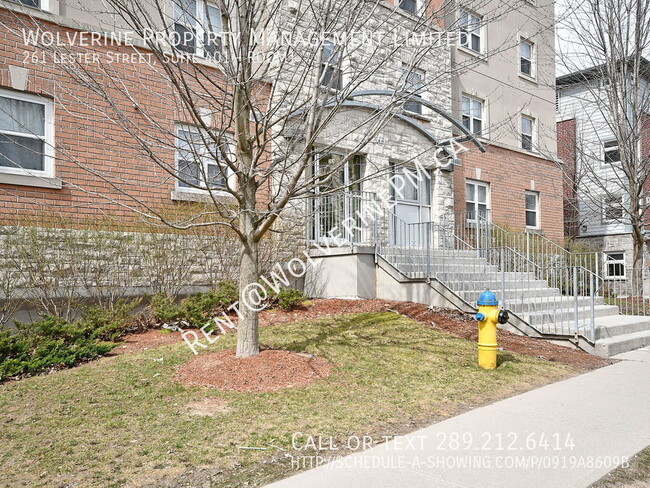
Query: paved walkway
604	413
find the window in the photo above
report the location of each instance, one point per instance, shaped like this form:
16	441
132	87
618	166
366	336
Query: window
611	152
198	161
472	114
26	143
612	208
413	80
526	58
196	20
476	200
615	265
470	31
30	3
409	5
410	191
532	209
330	71
527	131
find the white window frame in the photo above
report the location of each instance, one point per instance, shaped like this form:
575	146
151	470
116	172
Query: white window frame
230	181
536	211
476	202
608	261
606	205
478	31
47	138
532	134
407	71
472	100
43	5
339	66
199	26
533	70
606	150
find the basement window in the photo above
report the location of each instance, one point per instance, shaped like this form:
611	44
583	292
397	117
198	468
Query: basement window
615	265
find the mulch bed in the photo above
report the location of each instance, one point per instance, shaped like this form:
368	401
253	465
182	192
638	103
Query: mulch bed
454	322
270	370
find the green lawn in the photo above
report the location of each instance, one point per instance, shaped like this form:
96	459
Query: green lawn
123	420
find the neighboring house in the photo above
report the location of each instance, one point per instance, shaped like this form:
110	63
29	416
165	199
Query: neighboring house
503	93
595	184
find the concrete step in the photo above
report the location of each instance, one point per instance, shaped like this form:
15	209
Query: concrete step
477	286
565	316
536	304
622	343
512	293
609	327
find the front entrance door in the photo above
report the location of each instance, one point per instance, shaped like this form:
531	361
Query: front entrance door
411	194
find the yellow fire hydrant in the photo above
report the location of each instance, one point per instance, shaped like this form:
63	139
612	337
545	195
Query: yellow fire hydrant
488	317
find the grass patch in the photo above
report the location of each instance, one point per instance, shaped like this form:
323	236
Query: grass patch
124	420
636	475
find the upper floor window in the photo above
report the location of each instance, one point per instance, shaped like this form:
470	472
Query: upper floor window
413	80
199	161
330	70
526	65
532	209
612	208
470	31
26	142
527	132
197	27
472	114
611	152
409	5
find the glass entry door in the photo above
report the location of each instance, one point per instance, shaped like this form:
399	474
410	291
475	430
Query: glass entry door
411	195
338	198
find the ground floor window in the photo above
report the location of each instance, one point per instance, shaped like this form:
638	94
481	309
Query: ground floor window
532	209
477	194
26	141
615	265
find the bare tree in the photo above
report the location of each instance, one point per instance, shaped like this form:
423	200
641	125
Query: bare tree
603	42
261	88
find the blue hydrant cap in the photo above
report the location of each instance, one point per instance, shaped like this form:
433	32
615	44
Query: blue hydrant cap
487	298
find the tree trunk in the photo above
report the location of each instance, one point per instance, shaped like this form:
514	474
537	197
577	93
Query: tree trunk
247	332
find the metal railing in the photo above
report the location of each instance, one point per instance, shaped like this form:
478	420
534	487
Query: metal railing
629	291
555	296
344	217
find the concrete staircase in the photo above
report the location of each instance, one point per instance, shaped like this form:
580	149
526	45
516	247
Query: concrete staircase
532	300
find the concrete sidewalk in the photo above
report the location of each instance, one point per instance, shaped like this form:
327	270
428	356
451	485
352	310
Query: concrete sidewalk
524	441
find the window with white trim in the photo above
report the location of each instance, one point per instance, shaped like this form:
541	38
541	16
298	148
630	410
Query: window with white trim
32	3
330	70
199	160
611	152
472	114
26	135
413	82
470	30
526	59
527	132
614	265
197	27
612	208
532	209
477	195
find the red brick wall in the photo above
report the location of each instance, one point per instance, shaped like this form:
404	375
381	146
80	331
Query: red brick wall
566	152
85	139
509	174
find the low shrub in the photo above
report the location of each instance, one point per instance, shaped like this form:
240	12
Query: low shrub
196	309
290	298
48	343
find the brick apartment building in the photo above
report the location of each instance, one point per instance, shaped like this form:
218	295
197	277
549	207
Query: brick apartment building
503	91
